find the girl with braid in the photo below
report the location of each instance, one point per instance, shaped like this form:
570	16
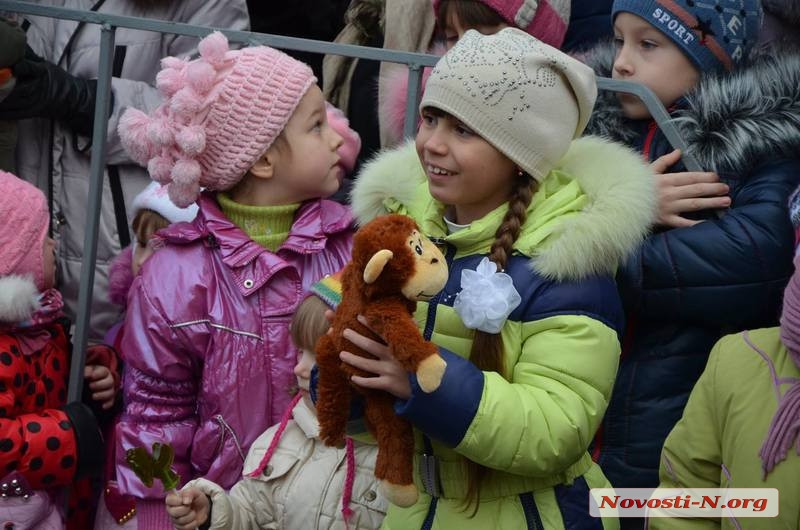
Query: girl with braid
533	221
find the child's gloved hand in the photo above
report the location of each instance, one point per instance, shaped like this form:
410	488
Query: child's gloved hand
46	90
101	383
188	508
348	152
14	40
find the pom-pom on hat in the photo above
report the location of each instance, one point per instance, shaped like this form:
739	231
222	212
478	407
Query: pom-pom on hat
547	20
155	197
713	35
220	113
25	220
526	98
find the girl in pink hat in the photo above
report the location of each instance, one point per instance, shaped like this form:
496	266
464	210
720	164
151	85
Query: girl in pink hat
45	443
208	353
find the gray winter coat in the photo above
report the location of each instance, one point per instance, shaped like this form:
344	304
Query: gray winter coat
136	63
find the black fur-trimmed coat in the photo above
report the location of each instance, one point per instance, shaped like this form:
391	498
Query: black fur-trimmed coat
686	287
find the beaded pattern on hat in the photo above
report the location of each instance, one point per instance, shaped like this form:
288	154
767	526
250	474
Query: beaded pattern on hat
526	98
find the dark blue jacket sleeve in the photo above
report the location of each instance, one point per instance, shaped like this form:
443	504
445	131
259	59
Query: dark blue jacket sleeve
722	272
446	413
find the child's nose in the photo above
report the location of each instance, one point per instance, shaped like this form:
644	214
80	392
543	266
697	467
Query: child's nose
622	63
303	369
436	142
336	139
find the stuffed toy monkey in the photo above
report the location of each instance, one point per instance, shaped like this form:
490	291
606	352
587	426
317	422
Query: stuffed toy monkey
393	266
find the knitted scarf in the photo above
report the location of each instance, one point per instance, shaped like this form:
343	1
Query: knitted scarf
785	427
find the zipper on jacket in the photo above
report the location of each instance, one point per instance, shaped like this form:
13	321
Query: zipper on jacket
648	140
428	465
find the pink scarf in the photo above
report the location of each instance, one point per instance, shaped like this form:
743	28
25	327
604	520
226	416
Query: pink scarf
785	427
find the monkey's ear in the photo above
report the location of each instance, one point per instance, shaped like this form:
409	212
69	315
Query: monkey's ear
376	264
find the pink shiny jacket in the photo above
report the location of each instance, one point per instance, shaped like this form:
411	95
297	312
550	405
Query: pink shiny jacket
208	354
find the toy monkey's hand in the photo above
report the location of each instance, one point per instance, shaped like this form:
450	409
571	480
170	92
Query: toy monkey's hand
430	373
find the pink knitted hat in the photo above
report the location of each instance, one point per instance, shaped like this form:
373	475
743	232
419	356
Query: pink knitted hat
23	209
546	20
220	113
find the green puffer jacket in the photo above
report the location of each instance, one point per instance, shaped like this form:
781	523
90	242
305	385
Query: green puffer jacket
717	441
562	343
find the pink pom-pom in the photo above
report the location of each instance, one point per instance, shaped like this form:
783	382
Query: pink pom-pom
185	103
186	171
351	141
191	140
160	169
213	48
183	195
159	133
169	81
132	128
201	76
173	62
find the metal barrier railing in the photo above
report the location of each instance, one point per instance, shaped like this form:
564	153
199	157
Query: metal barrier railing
109	23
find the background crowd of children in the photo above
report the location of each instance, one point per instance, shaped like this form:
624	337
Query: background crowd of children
610	366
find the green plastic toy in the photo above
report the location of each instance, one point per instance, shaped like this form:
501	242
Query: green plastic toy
158	465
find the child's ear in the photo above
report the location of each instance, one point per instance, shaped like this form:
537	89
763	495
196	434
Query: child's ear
264	168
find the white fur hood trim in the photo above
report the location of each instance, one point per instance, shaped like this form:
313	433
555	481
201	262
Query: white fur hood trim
619	215
19	298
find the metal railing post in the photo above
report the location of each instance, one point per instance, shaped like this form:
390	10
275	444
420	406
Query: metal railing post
96	173
412	99
657	111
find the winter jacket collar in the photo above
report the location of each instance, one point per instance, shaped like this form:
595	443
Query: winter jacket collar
787	10
22	306
251	264
732	121
590	212
306	419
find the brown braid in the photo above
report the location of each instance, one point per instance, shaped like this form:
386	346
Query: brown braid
487	348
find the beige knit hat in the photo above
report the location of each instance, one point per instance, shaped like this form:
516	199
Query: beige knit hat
524	97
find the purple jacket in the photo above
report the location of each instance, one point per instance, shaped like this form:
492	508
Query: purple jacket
209	358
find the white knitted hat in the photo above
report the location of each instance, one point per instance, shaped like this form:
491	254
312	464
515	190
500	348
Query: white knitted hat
524	97
156	197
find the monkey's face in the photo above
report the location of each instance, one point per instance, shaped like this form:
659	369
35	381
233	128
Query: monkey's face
430	270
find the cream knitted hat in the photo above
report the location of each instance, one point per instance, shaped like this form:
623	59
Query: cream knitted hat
526	98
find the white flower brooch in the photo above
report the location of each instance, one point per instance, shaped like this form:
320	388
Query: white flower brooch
487	297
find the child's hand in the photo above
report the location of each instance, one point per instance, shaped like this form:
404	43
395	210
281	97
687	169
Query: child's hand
188	508
101	383
389	374
690	191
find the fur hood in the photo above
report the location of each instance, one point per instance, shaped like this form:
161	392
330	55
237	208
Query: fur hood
120	277
19	299
786	10
732	121
618	216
